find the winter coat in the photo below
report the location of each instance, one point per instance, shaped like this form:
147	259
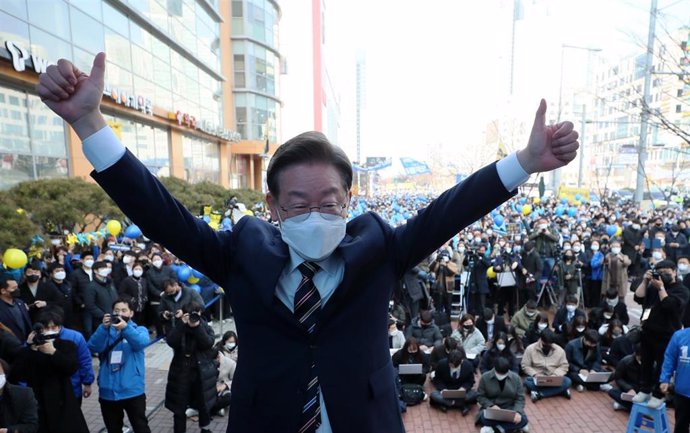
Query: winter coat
99	297
575	353
49	377
628	374
536	363
137	289
473	342
85	375
521	321
128	380
490	356
425	335
168	303
616	274
44	292
445	275
597	266
19	409
397	339
155	278
511	397
192	361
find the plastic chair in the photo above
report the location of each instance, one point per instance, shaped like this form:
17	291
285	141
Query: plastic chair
644	419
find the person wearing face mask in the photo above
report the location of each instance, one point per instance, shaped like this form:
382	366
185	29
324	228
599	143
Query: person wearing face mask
120	343
396	338
136	287
507	265
498	348
57	281
627	378
532	269
676	243
411	353
173	298
536	328
229	345
80	279
14	313
121	268
501	388
425	331
454	372
545	358
568	276
663	300
490	324
46	364
609	331
596	266
35	293
100	294
470	338
683	266
566	314
632	237
574	331
615	271
227	365
524	317
17	405
584	357
158	273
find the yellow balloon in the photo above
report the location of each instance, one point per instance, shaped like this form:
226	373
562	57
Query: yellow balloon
248	212
490	272
114	227
577	203
14	258
536	200
20	211
192	279
619	231
526	209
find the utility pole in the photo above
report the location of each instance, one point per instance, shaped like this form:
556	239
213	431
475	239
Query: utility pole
642	146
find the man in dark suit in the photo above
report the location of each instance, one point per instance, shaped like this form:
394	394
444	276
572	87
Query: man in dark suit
13	311
454	372
36	293
313	288
490	324
100	294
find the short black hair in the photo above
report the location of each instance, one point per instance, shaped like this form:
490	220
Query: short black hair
169	282
34	266
547	336
571	299
531	304
55	265
501	365
308	147
99	264
192	306
124	300
50	315
5	281
455	357
592	336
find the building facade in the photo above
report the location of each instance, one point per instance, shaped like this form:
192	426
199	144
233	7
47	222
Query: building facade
168	92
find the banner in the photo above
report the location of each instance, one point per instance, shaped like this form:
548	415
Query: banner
413	167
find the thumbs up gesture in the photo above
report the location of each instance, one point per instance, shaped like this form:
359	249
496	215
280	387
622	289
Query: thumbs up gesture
550	146
74	95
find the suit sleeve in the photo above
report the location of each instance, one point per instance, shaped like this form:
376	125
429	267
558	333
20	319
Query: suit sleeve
144	199
446	216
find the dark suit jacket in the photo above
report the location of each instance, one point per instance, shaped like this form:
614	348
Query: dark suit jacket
98	299
561	318
249	260
499	326
45	292
7	319
444	380
19	409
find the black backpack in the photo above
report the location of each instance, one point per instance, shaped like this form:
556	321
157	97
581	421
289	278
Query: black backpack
412	394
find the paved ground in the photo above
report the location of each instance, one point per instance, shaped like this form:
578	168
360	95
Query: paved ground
588	412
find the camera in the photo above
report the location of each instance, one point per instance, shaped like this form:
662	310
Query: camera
115	319
41	337
655	274
443	256
194	317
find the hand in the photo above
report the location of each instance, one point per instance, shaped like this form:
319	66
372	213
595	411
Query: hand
423	348
74	95
663	387
517	418
184	317
584	372
48	348
631	392
40	304
220	387
549	147
494	407
87	391
179	314
657	284
647	276
120	326
30	338
637	248
167	315
106	321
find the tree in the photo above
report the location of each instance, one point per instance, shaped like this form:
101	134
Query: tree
58	205
195	196
16	229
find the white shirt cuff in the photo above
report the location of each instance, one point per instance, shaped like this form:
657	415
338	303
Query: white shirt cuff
103	149
511	172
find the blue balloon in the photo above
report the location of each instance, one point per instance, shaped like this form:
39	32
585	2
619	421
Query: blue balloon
197	274
133	231
564	200
578	197
559	210
196	288
207	218
572	211
522	200
226	222
611	229
498	220
183	272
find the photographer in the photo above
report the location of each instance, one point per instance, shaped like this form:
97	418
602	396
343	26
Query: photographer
445	268
532	268
545	241
507	265
46	365
477	261
663	300
192	376
120	343
173	298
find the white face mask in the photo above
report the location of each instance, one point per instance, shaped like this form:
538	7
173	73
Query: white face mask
501	376
595	247
157	263
636	226
88	263
313	239
509	249
230	346
500	347
127	260
577	248
580	329
608	316
571	308
657	255
683	268
109	258
3	380
566	248
612	302
137	273
60	275
104	272
615	250
461	250
542	326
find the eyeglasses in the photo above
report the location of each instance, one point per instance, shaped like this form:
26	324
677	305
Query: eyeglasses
328	211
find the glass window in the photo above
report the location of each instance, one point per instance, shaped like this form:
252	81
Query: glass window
50	15
47	130
237	8
142	6
13	7
15	168
49	47
143	87
140	36
14	133
87	32
118	49
49	167
91	7
118	77
159	15
13	29
163	98
143	62
115	19
82	60
160	50
161	73
201	159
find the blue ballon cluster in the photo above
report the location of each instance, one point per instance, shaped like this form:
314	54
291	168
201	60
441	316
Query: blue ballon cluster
611	229
499	220
572	211
133	231
183	272
559	210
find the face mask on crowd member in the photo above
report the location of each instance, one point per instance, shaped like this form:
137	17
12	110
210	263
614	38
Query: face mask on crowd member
615	248
32	273
137	271
667	272
101	270
577	247
157	261
658	255
595	246
108	256
123	310
58	273
88	261
612	298
683	266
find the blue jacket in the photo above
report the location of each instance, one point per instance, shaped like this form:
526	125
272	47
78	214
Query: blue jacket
85	373
597	264
128	380
268	395
676	359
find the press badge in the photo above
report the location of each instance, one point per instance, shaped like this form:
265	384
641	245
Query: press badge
115	357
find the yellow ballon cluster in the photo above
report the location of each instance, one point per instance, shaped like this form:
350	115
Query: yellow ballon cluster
114	227
490	272
14	258
526	209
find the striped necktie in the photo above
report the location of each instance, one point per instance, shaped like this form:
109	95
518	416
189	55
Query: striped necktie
307	309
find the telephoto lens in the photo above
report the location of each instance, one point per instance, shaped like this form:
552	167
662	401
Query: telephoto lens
194	317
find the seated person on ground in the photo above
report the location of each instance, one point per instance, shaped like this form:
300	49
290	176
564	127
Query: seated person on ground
574	331
425	331
490	324
524	317
442	351
411	353
584	357
500	388
627	378
567	314
545	358
499	348
535	329
454	373
396	338
470	338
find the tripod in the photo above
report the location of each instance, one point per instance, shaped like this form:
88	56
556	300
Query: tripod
547	285
460	297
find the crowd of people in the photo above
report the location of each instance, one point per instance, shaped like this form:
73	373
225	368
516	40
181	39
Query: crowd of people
544	288
519	303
